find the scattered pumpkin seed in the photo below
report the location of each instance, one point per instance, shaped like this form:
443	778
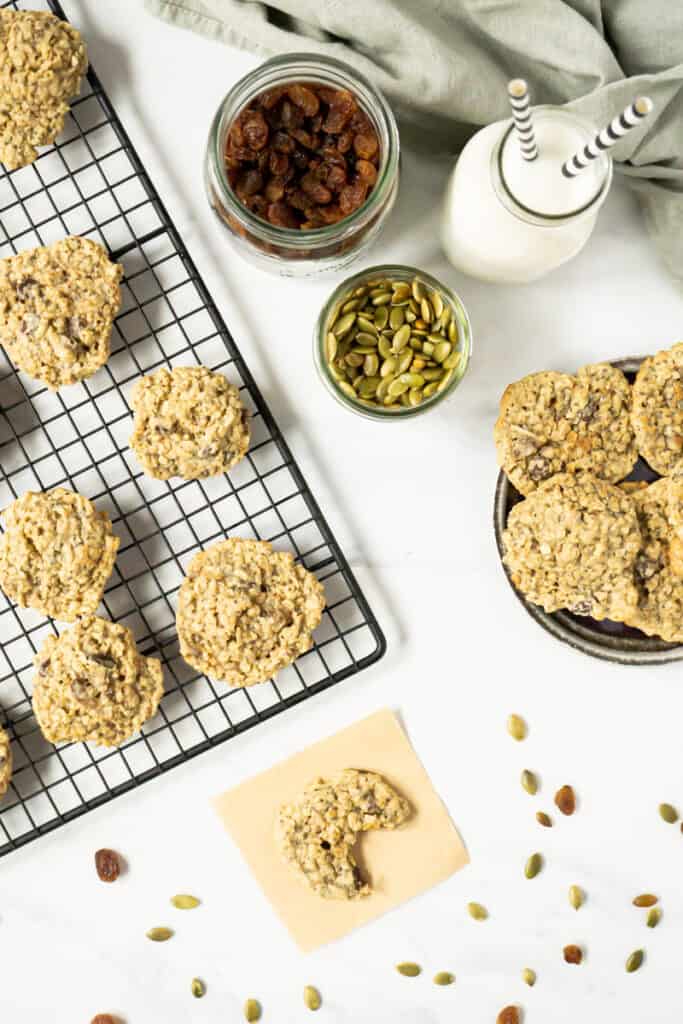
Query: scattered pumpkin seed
197	988
544	819
184	902
565	800
529	782
576	896
634	961
573	954
159	934
517	727
444	978
647	899
534	865
529	977
477	911
669	813
654	917
409	970
252	1010
312	998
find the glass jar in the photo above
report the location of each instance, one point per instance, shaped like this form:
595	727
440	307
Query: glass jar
296	252
343	294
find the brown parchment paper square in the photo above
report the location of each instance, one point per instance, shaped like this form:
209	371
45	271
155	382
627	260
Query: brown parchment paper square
400	864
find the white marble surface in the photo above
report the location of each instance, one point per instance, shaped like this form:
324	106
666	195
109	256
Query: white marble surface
412	506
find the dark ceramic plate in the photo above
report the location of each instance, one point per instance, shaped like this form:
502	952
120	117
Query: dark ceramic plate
611	641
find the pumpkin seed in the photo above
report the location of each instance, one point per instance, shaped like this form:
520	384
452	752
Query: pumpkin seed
647	899
312	998
396	318
529	782
477	911
413	380
437	303
349	306
344	325
415	396
534	865
442	350
635	961
401	338
409	970
426	311
330	346
252	1010
368	386
389	366
159	934
383	299
444	978
384	347
381	318
346	388
371	365
418	289
367	325
654	917
354	359
529	977
576	896
428	348
404	360
544	819
517	727
429	390
197	988
669	813
397	387
185	902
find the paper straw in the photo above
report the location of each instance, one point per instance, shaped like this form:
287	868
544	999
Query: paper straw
521	115
620	126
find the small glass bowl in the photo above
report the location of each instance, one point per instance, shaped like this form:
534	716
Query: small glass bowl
341	294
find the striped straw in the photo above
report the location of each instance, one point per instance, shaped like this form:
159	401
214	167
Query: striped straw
521	115
620	126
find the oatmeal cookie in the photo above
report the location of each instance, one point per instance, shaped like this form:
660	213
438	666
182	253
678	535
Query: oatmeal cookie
246	611
42	61
5	762
660	588
189	422
56	554
552	423
57	307
658	409
317	832
573	544
91	684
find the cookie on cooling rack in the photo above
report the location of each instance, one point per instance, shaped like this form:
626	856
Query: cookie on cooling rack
57	308
92	685
5	762
573	544
42	61
57	553
317	832
246	611
189	422
658	409
553	423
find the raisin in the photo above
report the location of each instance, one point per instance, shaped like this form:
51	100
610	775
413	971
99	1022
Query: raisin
283	143
282	215
335	177
107	865
508	1015
331	214
297	199
366	171
258	204
360	122
103	1018
565	800
291	115
366	145
573	954
275	189
255	130
317	123
320	195
342	106
250	183
304	98
352	196
304	138
344	142
278	163
272	97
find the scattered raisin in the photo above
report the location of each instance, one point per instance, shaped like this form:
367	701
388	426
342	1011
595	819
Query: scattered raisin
508	1015
103	1018
107	865
565	800
573	954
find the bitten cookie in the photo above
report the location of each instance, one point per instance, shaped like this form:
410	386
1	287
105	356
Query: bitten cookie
189	422
56	554
246	611
317	832
57	307
5	762
553	423
658	409
573	544
91	684
659	611
42	60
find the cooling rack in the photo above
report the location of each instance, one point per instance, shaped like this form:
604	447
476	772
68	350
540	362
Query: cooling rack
92	183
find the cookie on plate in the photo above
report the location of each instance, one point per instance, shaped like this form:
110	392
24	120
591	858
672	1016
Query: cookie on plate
317	832
553	423
57	553
573	544
659	611
92	685
246	611
42	61
658	409
189	422
57	307
5	762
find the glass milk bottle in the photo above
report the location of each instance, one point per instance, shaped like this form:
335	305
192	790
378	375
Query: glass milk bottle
507	219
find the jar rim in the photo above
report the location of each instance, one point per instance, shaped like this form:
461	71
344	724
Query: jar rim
403	272
305	67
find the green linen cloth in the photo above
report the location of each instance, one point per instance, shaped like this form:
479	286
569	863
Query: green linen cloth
445	65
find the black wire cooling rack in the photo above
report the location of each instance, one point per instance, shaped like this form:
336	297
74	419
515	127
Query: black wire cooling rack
92	183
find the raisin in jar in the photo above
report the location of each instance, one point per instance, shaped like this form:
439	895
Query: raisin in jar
302	164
